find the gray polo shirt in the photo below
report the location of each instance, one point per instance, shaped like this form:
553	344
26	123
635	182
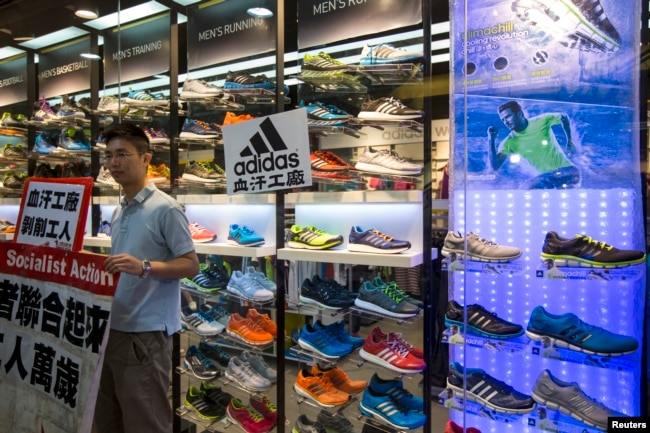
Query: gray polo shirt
153	227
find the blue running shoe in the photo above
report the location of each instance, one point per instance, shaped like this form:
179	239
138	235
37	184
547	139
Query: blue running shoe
321	111
390	411
395	389
44	144
322	342
374	241
243	236
198	129
338	330
386	54
568	331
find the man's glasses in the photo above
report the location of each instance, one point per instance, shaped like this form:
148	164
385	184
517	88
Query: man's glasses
119	157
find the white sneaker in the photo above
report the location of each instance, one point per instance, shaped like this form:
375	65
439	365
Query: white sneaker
199	89
106	177
246	287
386	162
111	104
201	322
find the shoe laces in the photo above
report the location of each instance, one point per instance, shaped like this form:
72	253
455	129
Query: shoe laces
328	158
203	316
330	59
393	292
204	360
269	404
316	230
482	240
398	336
217	311
383	235
202	124
599	244
396	102
397	347
197	228
255	415
216	168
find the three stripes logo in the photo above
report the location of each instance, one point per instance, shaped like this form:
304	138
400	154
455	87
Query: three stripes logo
267	152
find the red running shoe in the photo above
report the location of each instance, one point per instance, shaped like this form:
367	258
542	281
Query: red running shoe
250	420
390	354
452	427
418	352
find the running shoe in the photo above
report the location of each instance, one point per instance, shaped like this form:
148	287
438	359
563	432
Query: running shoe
390	411
260	366
568	331
311	238
245	286
326	296
487	391
319	389
104	176
158	173
374	241
340	379
322	111
247	418
334	422
145	98
13	181
390	354
578	24
196	172
198	129
111	104
378	282
338	330
7	227
216	354
216	311
263	404
305	425
585	251
261	279
243	236
387	109
9	120
336	175
568	398
199	89
243	373
481	322
386	54
333	159
320	161
200	322
323	62
452	427
244	80
44	113
418	352
14	151
385	301
478	248
395	389
231	118
263	320
322	342
157	136
386	162
200	234
215	393
247	331
44	144
204	282
199	365
204	406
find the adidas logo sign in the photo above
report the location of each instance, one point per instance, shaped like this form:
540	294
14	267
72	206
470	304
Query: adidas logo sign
259	156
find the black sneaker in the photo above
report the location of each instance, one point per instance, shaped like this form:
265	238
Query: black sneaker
488	391
199	364
481	322
215	354
204	407
585	251
387	109
334	423
236	80
216	395
323	295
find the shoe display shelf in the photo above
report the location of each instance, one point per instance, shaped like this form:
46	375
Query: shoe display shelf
516	267
561	272
332	85
392	74
9	208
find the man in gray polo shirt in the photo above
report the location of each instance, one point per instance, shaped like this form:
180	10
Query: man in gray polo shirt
152	249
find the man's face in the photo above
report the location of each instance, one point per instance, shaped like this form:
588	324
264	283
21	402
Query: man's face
512	120
126	165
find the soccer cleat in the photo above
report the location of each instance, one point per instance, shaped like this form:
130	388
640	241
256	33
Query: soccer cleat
247	331
243	236
386	162
452	427
231	118
386	54
481	322
263	404
199	89
568	398
196	172
487	391
321	161
334	423
323	62
198	129
568	331
390	411
478	249
260	366
245	286
385	300
261	279
215	354
394	388
418	352
204	406
320	389
390	354
322	342
387	109
199	365
588	252
339	379
144	98
243	373
305	425
322	111
201	323
263	320
338	330
200	234
374	241
324	295
247	418
311	238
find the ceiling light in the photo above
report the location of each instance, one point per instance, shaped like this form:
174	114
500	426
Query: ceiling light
24	37
86	10
127	15
260	12
91	56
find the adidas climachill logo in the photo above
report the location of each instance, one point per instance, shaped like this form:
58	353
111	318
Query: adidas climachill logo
260	156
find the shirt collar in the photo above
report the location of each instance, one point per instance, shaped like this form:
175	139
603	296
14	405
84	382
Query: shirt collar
142	195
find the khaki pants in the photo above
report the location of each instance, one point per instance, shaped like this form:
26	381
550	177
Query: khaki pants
132	395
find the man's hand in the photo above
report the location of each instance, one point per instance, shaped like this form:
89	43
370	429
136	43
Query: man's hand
492	132
123	263
570	149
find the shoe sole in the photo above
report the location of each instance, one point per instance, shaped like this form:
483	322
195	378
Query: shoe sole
373	115
458	392
187	134
476	331
367	61
371	413
300	245
461	253
558	406
377	309
363	248
306	394
236	291
563	344
199	375
245	340
372	168
251	244
189	405
563	260
305	345
306	300
379	361
197	95
234	378
139	103
195	178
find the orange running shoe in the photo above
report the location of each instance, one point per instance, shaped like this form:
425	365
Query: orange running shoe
320	389
340	379
263	320
231	118
200	234
247	330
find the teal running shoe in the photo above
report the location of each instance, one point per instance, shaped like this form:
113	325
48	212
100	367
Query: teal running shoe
243	236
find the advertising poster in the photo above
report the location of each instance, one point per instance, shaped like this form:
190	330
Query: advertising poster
13	80
54	320
61	69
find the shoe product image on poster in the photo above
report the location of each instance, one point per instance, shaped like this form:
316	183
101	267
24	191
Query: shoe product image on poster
481	322
570	399
568	331
374	241
478	248
487	391
587	252
386	162
578	24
